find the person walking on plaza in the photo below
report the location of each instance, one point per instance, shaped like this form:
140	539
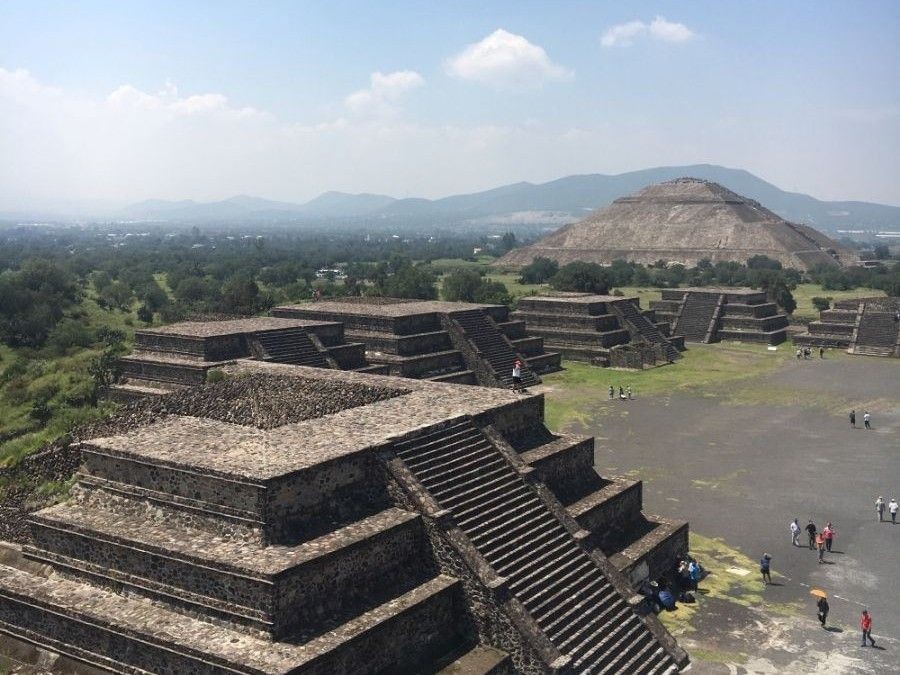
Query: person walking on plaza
892	507
820	547
612	392
795	533
628	391
765	564
811	532
865	623
821	352
852	419
879	508
828	533
866	419
822	613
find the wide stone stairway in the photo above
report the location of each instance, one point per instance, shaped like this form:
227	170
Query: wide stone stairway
877	334
646	328
290	346
492	346
559	584
696	316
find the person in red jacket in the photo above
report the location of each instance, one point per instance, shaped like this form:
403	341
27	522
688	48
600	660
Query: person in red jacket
865	623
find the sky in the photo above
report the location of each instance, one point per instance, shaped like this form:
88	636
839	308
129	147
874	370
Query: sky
116	102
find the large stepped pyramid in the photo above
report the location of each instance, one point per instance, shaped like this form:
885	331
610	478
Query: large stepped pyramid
867	326
713	314
456	342
604	330
416	532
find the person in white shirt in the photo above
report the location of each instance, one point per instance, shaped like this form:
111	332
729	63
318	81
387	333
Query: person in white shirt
892	507
866	418
795	533
517	376
879	508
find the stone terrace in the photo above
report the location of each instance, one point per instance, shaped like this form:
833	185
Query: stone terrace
604	330
867	326
401	526
463	343
710	314
181	354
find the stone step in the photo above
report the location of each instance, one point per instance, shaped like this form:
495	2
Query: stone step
559	624
477	660
273	588
602	621
608	642
459	377
501	557
633	659
465	456
127	393
479	491
468	475
459	445
499	502
500	519
126	634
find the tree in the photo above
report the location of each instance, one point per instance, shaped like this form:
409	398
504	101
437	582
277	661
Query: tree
507	242
763	262
411	282
583	277
539	271
240	295
461	286
821	304
881	251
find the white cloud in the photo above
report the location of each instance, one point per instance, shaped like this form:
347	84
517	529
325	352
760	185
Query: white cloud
504	59
167	100
624	34
670	31
383	89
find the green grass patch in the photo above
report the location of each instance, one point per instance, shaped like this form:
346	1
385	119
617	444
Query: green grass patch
804	293
581	389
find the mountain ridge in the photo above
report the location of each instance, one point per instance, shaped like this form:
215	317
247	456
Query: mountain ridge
565	199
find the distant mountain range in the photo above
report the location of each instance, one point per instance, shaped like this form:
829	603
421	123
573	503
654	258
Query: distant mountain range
554	203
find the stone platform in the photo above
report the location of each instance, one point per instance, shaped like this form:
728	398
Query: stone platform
391	525
867	326
604	330
455	342
181	354
731	313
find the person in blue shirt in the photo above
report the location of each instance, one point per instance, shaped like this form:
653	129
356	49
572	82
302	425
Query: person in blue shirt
765	564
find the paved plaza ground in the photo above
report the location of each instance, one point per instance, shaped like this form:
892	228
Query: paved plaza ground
739	460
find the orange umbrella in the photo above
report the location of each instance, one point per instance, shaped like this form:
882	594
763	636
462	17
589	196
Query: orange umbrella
818	592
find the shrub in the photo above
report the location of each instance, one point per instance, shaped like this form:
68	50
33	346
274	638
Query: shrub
216	375
821	304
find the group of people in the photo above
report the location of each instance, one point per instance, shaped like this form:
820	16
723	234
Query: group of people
806	353
867	419
892	508
820	541
624	394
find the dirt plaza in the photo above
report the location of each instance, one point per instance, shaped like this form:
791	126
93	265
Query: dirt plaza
739	457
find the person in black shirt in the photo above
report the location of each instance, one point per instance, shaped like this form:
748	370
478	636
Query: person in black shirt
822	606
811	531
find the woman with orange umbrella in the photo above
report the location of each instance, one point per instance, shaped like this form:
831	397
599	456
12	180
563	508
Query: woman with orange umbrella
821	604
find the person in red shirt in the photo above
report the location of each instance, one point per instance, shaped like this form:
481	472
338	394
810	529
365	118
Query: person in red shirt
828	533
865	623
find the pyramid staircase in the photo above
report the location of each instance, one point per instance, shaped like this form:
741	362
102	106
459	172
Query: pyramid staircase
293	346
492	346
561	587
641	325
878	333
696	317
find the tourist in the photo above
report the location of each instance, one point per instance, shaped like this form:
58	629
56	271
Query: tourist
811	531
879	508
852	419
806	352
865	623
828	533
765	564
820	547
517	376
821	352
892	507
621	393
866	419
696	572
795	533
799	353
628	391
612	392
822	607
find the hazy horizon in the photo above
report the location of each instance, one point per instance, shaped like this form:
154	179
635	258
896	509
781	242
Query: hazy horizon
113	104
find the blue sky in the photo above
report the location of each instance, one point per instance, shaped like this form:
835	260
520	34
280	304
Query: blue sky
120	101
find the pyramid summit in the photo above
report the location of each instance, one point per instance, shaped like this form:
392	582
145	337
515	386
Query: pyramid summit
684	220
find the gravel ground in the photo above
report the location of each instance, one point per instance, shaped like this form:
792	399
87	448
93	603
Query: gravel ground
262	401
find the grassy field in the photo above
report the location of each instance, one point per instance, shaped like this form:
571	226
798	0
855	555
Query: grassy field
804	293
578	389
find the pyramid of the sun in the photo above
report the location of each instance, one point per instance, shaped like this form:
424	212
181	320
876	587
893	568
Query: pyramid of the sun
684	220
